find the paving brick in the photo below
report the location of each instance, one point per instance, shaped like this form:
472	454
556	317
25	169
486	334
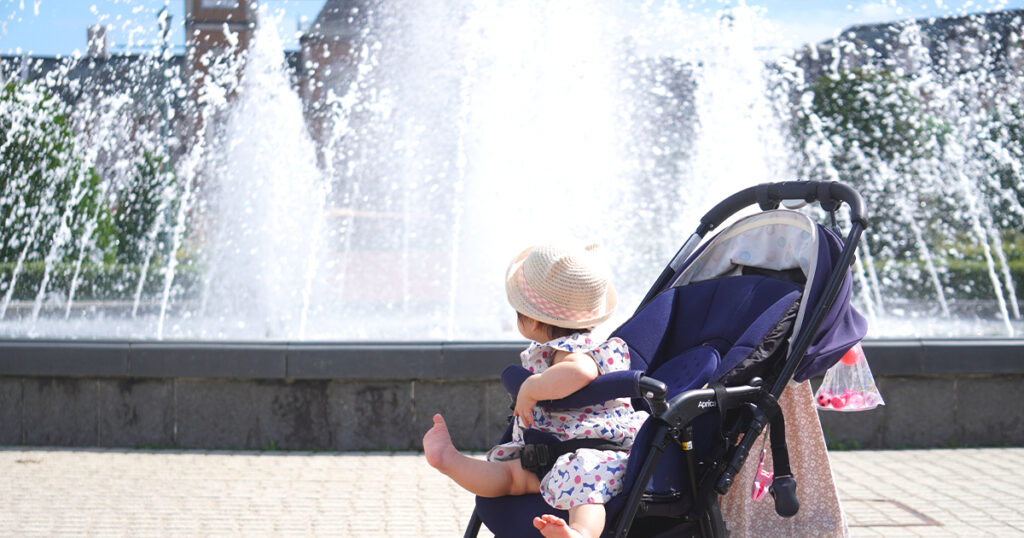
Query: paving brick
187	493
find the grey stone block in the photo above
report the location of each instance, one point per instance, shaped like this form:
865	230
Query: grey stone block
136	413
973	357
207	360
894	357
60	411
380	396
216	414
63	358
478	360
989	409
10	411
371	416
382	361
921	412
499	407
853	430
465	407
292	415
944	357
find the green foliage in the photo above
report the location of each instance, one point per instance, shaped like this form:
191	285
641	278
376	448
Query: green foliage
967	278
875	112
878	131
1006	152
38	168
887	140
100	281
54	207
46	189
139	207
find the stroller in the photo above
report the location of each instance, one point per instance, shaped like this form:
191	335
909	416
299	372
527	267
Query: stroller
713	344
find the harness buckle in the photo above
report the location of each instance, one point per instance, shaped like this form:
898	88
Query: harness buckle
535	457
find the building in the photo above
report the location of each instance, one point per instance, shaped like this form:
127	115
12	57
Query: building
328	58
330	53
214	28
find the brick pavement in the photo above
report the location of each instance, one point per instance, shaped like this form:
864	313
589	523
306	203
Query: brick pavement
71	492
953	492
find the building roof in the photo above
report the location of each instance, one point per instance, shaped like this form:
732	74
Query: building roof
74	79
117	73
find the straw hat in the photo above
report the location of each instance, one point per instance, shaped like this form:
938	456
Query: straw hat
563	287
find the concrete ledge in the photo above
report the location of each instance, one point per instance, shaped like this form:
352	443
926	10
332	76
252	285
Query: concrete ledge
945	357
446	360
365	396
247	360
50	358
384	361
192	359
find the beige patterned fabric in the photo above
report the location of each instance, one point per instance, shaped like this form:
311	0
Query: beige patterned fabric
820	512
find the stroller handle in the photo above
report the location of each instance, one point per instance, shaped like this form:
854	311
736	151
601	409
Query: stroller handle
768	195
830	194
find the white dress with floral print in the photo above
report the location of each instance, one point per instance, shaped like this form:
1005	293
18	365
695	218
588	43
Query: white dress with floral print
586	476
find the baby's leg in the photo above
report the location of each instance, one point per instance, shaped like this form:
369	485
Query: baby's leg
483	478
585	520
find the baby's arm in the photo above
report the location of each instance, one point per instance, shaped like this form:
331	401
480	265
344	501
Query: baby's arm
569	373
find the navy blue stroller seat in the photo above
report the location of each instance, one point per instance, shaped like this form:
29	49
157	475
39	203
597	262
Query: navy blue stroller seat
691	335
683	340
711	349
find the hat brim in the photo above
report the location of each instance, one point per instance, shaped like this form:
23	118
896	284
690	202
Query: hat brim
517	298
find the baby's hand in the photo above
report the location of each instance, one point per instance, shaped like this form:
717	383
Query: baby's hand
524	407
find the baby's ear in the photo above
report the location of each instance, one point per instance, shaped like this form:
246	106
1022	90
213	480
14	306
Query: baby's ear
531	323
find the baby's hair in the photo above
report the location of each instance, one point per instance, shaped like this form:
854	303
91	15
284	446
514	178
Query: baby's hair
553	331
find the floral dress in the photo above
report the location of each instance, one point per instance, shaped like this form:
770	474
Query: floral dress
586	476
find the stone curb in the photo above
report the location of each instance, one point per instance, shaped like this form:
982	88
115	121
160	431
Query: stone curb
413	360
243	360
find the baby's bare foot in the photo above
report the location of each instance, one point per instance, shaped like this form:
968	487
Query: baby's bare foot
555	527
437	444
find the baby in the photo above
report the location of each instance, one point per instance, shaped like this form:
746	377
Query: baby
560	295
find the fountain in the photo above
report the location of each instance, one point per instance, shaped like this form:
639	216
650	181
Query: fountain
268	198
456	132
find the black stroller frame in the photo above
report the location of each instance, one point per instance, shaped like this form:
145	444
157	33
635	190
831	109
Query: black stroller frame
755	404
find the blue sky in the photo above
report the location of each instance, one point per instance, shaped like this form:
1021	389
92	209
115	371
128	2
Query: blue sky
58	27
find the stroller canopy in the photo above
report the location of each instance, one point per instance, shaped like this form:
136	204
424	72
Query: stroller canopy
788	245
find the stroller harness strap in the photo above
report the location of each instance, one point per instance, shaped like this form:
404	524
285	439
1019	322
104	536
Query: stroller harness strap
539	458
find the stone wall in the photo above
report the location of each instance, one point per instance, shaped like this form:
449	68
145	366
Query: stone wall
382	397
